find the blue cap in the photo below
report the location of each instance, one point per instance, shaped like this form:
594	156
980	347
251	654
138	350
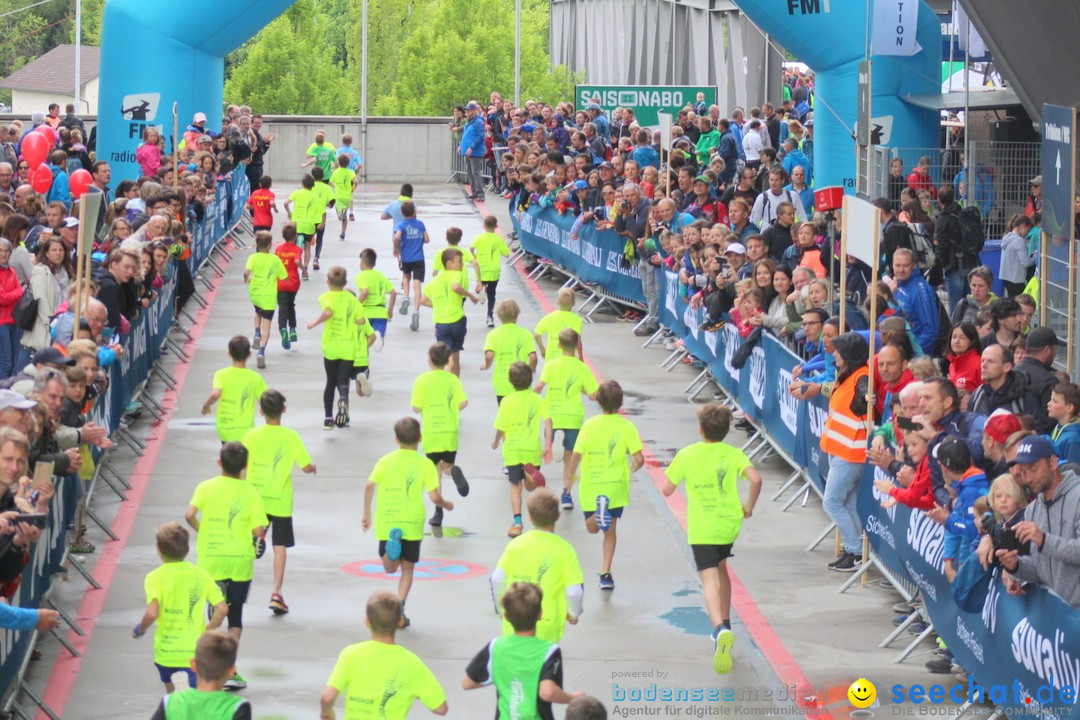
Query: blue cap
580	185
1033	449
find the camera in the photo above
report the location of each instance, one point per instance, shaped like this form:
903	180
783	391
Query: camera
1009	541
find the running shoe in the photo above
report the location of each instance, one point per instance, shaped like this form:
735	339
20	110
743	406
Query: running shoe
328	424
303	274
514	530
260	361
436	518
342	418
393	545
404	622
606	581
603	514
459	481
236	682
404	307
533	473
721	661
286	342
415	324
341	236
351	216
567	500
363	386
260	547
81	547
379	341
490	321
256	342
292	334
315	264
277	604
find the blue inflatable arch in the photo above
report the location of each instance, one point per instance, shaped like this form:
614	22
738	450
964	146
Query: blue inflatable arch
830	38
156	53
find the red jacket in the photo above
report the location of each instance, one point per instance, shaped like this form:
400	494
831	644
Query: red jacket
920	493
10	292
965	371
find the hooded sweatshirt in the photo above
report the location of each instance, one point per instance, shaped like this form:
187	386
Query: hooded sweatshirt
1056	564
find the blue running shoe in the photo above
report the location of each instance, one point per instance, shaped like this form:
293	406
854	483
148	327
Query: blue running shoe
393	545
567	501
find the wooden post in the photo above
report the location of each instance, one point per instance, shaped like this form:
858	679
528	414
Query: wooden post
843	266
176	147
79	269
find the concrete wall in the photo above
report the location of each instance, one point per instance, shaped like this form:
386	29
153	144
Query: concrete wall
397	149
24	102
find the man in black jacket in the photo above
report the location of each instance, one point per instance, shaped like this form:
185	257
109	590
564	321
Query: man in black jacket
1037	368
1002	387
948	236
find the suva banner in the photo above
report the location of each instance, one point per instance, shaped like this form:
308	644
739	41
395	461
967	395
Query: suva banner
646	100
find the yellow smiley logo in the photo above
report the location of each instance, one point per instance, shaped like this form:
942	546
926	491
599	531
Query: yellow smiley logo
862	693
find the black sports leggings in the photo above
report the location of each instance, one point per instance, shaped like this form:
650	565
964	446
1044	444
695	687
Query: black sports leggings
337	378
318	240
286	309
489	288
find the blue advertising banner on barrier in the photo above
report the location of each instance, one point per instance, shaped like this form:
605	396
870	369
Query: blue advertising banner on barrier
1024	652
142	349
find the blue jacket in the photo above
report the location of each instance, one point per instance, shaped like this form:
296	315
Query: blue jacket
60	190
729	151
472	137
1066	440
603	127
17	618
920	305
646	156
969	428
969	488
737	132
797	157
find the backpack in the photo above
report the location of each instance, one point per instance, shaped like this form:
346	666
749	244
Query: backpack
972	236
923	247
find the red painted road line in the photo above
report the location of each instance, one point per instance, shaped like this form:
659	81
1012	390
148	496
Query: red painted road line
783	664
65	670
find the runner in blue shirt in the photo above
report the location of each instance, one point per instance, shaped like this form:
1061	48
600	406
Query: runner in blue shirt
410	236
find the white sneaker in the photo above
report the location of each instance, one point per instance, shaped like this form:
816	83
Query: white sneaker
364	384
378	342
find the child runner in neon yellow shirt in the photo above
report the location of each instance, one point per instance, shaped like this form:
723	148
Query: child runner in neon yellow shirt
361	372
542	557
505	345
525	668
489	248
343	180
548	329
227	512
341	312
567	378
453	240
324	198
398	484
272	452
714	513
238	389
262	272
601	452
373	287
214	663
379	678
518	425
445	296
177	594
439	397
300	207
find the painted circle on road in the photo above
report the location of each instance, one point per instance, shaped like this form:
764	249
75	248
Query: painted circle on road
425	570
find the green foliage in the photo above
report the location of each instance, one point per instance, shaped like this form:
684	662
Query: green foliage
281	74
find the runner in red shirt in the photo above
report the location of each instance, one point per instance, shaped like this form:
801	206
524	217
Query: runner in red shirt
262	202
291	255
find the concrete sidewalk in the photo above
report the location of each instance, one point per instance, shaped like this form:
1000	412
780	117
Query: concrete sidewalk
651	629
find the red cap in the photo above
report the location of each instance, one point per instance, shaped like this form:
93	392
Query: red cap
1001	424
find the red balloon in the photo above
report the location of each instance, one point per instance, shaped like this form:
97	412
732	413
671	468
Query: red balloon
48	132
80	180
41	178
35	149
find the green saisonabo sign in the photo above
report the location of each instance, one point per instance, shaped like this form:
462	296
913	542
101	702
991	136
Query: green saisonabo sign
646	100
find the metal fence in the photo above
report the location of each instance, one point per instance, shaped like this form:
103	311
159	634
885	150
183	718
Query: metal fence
1001	176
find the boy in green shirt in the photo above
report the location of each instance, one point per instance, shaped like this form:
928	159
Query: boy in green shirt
374	286
177	594
227	512
343	181
214	663
542	557
300	209
518	424
526	670
714	514
272	452
379	678
453	240
505	345
262	272
439	397
489	248
398	483
444	296
548	329
601	451
320	153
237	388
567	378
324	198
342	313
